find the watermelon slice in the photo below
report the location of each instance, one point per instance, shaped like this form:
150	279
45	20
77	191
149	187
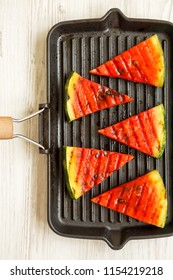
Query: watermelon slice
84	97
143	199
145	132
143	63
85	168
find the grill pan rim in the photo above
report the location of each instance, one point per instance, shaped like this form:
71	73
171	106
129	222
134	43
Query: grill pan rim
57	225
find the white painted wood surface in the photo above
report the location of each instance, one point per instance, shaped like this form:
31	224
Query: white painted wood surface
24	232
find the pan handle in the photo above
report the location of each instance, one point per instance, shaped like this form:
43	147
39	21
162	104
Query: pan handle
6	128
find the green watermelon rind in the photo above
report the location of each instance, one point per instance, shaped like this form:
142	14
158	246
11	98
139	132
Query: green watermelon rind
66	96
163	141
67	181
160	82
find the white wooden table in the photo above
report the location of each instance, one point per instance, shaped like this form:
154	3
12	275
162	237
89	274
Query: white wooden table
24	231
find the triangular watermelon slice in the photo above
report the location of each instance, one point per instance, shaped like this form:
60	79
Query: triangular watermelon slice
85	167
143	63
84	97
145	132
143	199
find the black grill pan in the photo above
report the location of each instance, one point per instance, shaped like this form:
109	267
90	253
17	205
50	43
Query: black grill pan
80	46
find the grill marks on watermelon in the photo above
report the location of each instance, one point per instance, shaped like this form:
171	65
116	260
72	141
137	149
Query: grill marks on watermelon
145	132
86	167
143	63
143	198
84	97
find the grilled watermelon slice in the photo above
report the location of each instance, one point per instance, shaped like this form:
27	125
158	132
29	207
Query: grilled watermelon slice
145	132
85	167
84	97
143	199
143	63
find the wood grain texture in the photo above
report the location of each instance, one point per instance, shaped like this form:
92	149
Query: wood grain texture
24	231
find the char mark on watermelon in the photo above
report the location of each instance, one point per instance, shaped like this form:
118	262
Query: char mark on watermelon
143	198
83	97
85	167
143	63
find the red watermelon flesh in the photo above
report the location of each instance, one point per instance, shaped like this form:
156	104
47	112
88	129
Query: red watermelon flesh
145	132
143	63
85	167
143	199
84	97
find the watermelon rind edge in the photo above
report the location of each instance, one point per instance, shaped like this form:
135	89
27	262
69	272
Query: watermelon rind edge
66	97
162	78
66	172
164	133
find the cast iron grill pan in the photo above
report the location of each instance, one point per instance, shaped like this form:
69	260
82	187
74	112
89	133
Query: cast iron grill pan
80	46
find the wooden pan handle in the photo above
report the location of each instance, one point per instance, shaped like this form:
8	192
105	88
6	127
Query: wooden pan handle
6	128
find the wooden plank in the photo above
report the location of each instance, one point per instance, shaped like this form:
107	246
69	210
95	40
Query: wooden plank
24	231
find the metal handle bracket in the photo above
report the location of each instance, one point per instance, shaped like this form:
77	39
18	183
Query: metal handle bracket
6	128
